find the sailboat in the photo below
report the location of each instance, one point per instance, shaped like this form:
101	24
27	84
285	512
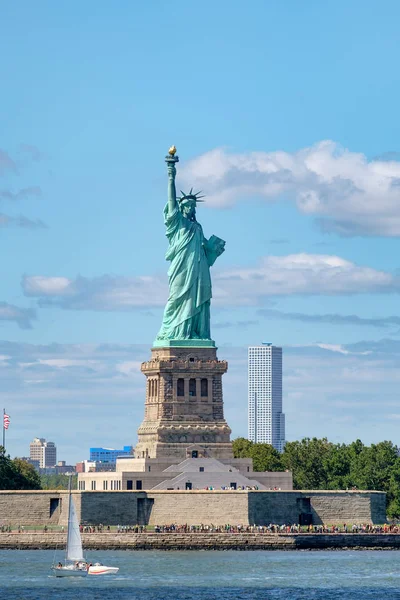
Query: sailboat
74	565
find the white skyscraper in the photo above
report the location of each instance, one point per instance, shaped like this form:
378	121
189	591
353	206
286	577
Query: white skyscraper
266	421
44	452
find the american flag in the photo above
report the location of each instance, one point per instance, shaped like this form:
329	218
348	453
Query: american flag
6	421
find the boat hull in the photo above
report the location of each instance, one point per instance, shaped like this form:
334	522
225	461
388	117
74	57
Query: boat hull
66	572
103	570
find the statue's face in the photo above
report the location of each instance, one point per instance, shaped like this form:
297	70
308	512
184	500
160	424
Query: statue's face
189	210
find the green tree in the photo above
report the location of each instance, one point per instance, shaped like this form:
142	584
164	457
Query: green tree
393	494
372	468
27	474
265	458
17	474
337	464
8	472
241	447
307	461
58	482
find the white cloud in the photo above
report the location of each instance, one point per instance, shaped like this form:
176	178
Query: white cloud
48	286
108	292
20	194
304	274
331	319
129	367
22	316
62	363
346	192
21	221
8	165
295	274
339	348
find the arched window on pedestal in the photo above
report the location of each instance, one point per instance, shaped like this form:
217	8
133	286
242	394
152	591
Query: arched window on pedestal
204	388
192	387
180	387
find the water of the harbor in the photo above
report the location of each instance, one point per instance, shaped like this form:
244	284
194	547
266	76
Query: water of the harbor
194	575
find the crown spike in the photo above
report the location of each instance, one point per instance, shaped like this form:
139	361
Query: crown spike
190	196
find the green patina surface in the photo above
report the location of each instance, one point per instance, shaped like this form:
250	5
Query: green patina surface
186	320
184	344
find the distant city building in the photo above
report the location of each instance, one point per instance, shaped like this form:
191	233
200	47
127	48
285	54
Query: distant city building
60	468
85	466
44	452
109	455
93	466
266	421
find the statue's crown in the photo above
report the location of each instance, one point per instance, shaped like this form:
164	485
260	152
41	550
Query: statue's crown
190	197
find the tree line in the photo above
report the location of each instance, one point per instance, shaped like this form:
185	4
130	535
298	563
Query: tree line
318	464
17	474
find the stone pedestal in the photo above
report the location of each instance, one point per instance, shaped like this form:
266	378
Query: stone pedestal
184	404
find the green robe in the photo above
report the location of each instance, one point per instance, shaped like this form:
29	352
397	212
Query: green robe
187	313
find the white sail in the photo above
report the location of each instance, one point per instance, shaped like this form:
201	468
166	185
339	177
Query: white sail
74	542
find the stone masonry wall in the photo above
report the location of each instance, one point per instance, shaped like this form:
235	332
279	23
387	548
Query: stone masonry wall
109	508
348	507
192	507
273	507
33	507
326	507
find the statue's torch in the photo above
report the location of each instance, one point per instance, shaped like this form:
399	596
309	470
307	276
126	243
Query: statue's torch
172	156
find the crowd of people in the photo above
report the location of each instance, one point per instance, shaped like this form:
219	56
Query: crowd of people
227	528
281	529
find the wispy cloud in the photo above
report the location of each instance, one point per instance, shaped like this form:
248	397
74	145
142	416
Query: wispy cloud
234	324
108	292
31	151
295	274
21	221
6	163
22	316
305	274
348	194
332	319
21	194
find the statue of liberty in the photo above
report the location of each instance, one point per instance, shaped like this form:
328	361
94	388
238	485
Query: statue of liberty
187	312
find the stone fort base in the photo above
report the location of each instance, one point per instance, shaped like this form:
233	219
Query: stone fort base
195	507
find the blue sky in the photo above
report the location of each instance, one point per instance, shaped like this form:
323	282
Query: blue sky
286	115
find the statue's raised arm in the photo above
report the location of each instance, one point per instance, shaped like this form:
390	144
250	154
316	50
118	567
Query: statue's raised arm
171	159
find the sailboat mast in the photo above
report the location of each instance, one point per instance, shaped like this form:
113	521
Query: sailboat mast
69	517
